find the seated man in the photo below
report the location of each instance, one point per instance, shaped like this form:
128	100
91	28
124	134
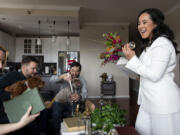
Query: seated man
59	108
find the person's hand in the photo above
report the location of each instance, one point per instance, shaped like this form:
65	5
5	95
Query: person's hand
66	76
129	53
75	97
27	118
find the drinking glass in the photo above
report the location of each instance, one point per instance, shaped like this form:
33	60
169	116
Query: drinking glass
132	45
101	101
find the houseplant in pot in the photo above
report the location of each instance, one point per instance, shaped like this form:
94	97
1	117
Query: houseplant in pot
108	117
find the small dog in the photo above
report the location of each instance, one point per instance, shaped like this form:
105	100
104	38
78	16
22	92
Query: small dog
76	84
19	87
63	96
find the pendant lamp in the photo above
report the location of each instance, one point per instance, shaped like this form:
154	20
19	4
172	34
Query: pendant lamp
39	39
53	36
68	41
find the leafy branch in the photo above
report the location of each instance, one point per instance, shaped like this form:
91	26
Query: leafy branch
108	116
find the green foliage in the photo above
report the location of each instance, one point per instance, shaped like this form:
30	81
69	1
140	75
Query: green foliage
108	43
108	116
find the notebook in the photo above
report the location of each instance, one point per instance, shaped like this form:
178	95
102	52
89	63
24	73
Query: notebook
121	64
17	107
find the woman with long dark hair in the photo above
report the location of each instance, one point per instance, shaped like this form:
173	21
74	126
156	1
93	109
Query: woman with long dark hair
159	96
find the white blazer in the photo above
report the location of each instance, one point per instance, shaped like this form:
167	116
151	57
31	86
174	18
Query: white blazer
158	92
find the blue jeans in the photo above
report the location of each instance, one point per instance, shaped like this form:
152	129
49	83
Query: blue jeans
58	111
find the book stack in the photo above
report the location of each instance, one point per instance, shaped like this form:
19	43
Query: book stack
74	124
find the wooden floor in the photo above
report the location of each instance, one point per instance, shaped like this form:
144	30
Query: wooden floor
130	104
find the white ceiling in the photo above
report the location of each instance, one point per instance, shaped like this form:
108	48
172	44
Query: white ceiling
20	17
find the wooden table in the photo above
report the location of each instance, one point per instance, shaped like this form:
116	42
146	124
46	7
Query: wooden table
127	131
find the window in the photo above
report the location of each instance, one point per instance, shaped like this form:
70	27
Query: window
38	48
27	45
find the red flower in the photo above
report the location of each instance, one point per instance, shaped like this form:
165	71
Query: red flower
113	47
114	41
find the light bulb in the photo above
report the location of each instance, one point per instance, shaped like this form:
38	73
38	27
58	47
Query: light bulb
68	41
53	39
39	41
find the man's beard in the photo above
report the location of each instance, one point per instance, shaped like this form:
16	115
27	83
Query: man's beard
74	76
29	75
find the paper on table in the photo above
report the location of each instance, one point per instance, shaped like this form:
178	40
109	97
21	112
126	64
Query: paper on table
122	61
121	64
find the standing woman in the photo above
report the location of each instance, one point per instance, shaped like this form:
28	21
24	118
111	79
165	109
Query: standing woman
159	96
27	118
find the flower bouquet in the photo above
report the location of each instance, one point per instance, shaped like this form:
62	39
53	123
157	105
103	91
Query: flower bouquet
113	48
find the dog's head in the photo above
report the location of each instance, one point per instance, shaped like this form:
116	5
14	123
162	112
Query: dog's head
16	88
19	87
76	83
35	82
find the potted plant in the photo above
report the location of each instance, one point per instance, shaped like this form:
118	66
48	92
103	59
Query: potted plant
106	118
104	77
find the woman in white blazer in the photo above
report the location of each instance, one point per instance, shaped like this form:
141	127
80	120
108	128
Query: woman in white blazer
159	96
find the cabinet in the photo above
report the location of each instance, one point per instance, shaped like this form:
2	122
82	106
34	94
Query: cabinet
108	88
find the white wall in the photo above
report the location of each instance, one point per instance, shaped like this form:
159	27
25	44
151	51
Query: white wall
91	45
173	19
49	49
8	42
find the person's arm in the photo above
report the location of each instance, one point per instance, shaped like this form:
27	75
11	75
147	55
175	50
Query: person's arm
61	78
26	119
7	79
84	91
54	78
160	56
65	76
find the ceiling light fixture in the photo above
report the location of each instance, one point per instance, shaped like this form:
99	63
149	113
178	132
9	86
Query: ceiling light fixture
68	41
39	39
53	36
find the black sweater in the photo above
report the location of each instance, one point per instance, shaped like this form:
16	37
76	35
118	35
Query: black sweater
6	80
